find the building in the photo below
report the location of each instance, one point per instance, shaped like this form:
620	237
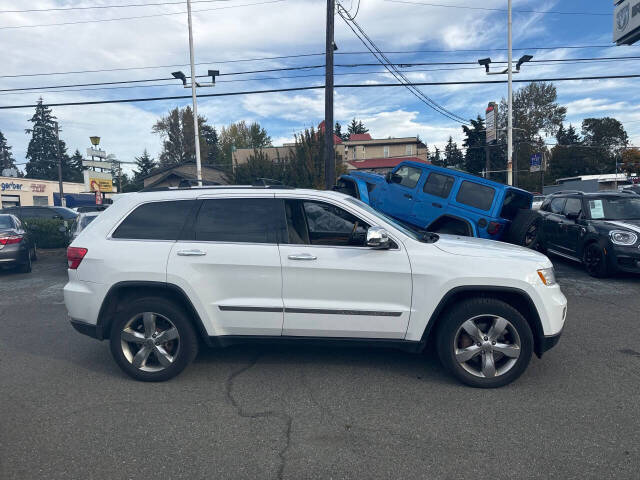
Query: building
184	174
362	152
591	183
27	192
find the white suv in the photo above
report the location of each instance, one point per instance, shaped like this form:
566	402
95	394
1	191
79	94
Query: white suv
158	271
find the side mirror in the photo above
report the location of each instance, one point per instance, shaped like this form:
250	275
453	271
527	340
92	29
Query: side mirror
377	238
573	215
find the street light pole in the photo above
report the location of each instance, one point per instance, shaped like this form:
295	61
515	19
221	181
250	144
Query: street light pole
510	113
194	97
329	151
63	203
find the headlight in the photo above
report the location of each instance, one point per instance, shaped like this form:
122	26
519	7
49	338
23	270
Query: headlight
623	237
548	276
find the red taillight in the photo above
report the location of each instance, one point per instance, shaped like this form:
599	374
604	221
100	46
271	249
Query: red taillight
75	256
10	240
494	228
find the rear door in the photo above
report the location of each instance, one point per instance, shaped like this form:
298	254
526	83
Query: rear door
335	286
433	198
228	263
400	196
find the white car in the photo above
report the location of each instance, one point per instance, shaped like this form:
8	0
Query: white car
81	222
232	265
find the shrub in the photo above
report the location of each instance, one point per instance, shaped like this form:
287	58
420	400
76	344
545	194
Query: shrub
46	232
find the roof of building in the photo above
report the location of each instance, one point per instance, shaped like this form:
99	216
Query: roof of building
359	136
336	139
383	162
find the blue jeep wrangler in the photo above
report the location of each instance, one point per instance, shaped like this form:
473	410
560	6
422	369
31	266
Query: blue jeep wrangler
441	200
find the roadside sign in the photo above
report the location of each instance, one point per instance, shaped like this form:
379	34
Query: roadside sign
491	122
536	162
98	181
94	152
98	198
626	22
97	164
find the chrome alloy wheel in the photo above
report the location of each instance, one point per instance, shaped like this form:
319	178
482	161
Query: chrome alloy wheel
487	346
150	342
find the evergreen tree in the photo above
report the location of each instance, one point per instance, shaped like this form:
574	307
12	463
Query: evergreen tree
210	136
6	157
356	127
144	166
436	159
72	168
339	133
475	157
178	137
453	157
43	149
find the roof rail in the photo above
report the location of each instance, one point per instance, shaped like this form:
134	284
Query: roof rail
217	187
562	192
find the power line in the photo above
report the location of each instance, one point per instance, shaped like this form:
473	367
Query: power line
318	87
282	57
464	7
104	7
393	70
78	22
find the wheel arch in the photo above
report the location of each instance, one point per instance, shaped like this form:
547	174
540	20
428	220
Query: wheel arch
123	292
517	298
448	217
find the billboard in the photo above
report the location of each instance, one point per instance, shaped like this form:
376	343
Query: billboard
491	122
626	22
98	181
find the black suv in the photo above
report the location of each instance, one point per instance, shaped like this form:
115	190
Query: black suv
601	230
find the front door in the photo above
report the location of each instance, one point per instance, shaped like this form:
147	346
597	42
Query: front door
570	229
230	265
402	194
552	221
335	286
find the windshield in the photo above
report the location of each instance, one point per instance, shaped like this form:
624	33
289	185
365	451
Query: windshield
382	216
5	222
84	221
615	208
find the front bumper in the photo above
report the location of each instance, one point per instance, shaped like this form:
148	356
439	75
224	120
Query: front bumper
625	259
547	343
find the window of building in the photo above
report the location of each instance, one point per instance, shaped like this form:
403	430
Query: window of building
410	176
41	200
241	220
353	154
155	221
475	195
386	151
10	201
408	150
438	185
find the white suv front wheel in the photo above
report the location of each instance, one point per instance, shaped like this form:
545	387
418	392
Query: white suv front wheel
153	340
485	342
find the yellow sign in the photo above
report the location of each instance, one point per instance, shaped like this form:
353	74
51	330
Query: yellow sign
100	185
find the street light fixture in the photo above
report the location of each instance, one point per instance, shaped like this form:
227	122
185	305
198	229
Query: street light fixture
523	59
95	141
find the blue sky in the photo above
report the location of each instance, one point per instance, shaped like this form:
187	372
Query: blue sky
297	27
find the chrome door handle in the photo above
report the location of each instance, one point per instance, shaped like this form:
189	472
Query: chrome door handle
303	256
191	253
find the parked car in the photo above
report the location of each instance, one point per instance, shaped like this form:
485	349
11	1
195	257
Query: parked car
81	222
16	247
236	265
91	208
442	200
60	213
537	201
600	230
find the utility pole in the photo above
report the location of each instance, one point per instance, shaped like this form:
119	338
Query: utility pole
510	114
63	203
329	151
194	97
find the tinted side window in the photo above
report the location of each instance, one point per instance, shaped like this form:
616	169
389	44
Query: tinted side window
557	204
155	221
410	176
242	220
326	225
513	202
573	205
475	195
438	185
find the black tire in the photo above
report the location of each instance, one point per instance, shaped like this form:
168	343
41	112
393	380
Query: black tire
480	307
595	261
186	350
525	229
25	266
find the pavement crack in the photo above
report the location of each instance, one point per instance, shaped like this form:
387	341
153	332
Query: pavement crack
244	413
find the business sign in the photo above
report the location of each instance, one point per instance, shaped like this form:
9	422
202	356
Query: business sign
98	198
10	187
491	122
38	187
536	162
98	181
97	164
94	152
626	22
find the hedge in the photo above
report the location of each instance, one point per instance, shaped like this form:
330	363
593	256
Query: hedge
46	232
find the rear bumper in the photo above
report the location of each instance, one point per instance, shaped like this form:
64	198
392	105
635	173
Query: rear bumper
85	328
12	254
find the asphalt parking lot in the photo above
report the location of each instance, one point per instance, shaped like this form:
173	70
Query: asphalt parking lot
67	411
